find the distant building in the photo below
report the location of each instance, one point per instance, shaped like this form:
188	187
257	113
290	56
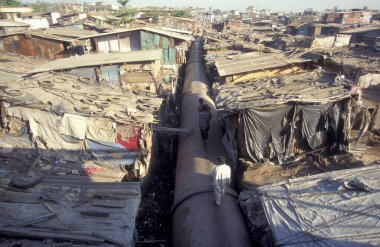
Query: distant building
36	22
302	18
265	12
98	7
235	12
40	20
233	23
208	17
13	13
65	7
91	22
179	23
71	18
252	10
351	17
8	26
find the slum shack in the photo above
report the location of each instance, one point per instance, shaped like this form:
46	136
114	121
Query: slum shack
288	126
8	26
338	208
253	65
130	70
173	48
245	40
53	43
173	45
75	154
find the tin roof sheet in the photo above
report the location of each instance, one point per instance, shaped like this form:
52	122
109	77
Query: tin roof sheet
99	59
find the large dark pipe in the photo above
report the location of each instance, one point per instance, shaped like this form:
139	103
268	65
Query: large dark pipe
197	221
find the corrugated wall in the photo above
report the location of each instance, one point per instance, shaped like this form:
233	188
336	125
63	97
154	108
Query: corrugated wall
33	46
151	41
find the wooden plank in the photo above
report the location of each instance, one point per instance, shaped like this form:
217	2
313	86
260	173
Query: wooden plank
35	220
95	214
34	164
122	195
48	207
108	203
40	234
173	130
79	203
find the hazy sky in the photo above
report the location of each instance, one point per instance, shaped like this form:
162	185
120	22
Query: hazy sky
287	5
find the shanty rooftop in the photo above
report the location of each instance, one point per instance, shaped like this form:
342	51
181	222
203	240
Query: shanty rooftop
148	29
80	199
70	94
19	64
62	34
78	126
100	59
69	210
361	29
254	62
8	23
339	208
68	32
99	17
308	87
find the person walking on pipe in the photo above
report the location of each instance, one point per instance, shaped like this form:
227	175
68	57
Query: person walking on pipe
204	119
222	178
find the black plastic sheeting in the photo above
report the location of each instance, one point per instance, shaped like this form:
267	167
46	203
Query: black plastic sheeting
265	133
260	130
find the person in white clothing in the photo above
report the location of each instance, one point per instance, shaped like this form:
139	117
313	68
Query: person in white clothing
222	178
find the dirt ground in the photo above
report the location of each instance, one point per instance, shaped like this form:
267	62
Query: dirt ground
366	153
309	165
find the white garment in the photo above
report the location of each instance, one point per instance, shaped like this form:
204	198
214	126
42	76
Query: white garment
222	178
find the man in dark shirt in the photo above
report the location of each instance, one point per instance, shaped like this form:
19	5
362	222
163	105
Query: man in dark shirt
204	119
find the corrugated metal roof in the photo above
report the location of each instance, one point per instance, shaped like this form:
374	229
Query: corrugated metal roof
176	30
59	33
13	24
100	59
182	18
148	29
253	62
53	37
101	18
167	33
361	29
40	33
69	32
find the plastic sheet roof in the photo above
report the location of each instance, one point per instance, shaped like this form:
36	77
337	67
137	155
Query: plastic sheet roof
309	87
338	208
254	62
